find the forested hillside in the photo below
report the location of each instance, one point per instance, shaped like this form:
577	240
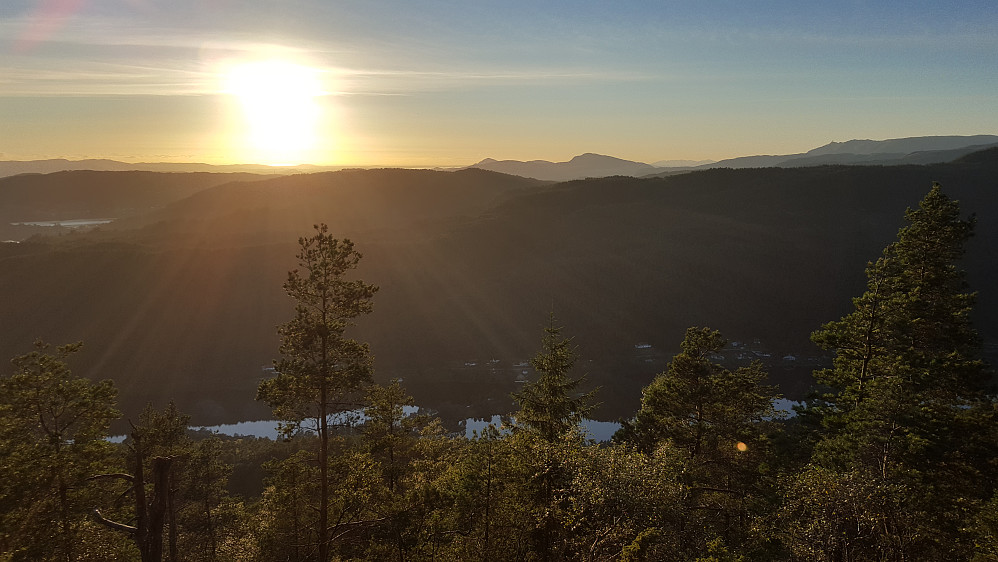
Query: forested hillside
86	194
182	303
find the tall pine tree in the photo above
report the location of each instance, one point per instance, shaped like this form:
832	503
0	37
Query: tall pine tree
320	367
715	423
547	426
551	406
907	400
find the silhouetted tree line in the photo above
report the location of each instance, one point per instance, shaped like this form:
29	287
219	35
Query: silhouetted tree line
893	457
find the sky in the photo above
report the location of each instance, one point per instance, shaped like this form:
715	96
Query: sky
448	83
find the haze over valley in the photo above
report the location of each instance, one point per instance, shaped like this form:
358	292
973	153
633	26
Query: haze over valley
179	296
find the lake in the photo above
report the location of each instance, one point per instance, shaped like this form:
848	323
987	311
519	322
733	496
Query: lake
596	430
71	223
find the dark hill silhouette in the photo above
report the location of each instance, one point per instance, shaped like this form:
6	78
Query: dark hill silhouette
15	167
357	203
905	145
761	253
980	157
582	166
890	152
92	194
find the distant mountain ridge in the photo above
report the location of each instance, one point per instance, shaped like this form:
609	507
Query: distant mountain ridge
17	167
909	150
889	152
587	165
905	145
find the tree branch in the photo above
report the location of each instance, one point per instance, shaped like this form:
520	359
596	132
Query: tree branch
120	475
351	525
112	524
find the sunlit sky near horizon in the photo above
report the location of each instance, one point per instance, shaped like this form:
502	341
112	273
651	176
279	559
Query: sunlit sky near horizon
428	83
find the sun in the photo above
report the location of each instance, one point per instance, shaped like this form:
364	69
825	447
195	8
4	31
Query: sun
281	111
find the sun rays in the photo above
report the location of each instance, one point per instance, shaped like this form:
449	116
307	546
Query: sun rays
282	111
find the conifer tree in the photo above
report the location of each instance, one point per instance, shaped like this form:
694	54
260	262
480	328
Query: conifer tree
547	426
551	406
714	422
52	430
907	372
698	404
907	402
320	367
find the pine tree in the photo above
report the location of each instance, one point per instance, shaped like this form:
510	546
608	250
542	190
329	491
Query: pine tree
547	427
52	430
320	367
551	406
165	435
907	365
698	404
907	400
714	421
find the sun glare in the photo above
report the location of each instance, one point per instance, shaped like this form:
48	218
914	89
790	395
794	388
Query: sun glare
281	111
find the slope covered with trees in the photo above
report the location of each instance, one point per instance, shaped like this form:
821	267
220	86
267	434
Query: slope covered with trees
87	194
182	305
893	457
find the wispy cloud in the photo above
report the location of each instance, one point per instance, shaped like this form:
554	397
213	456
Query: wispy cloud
101	55
159	63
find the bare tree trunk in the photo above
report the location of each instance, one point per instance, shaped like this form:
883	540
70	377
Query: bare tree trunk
171	511
149	517
141	509
67	531
152	550
323	530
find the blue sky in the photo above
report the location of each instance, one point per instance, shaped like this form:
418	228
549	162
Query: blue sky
450	83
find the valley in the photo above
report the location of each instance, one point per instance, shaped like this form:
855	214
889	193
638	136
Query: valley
181	299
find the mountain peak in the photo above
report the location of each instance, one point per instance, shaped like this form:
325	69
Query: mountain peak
582	166
905	145
591	158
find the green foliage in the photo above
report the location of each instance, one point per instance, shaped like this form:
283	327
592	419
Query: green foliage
52	429
483	506
409	453
320	367
852	516
551	406
908	405
181	509
209	519
985	532
637	551
285	524
699	405
287	517
163	433
715	421
906	362
546	432
717	552
627	503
